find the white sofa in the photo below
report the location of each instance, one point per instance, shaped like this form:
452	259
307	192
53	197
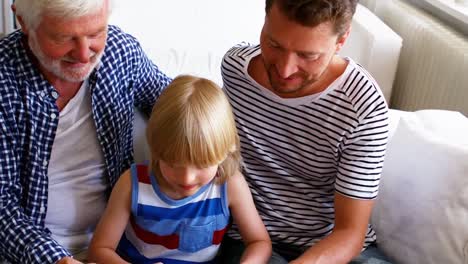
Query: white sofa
421	215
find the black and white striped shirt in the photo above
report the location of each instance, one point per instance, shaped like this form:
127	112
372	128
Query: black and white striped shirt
299	151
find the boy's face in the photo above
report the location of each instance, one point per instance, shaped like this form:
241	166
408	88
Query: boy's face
179	181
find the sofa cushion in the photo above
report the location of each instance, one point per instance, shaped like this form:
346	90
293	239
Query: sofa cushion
421	215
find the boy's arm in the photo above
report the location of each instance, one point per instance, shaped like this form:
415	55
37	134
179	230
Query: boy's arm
245	215
112	224
347	238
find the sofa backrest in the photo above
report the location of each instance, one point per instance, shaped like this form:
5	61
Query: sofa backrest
375	46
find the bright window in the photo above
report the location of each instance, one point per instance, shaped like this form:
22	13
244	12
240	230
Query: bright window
458	9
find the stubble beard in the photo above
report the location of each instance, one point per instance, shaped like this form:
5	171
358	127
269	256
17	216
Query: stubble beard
278	88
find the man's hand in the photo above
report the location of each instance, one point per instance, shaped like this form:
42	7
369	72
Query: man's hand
69	260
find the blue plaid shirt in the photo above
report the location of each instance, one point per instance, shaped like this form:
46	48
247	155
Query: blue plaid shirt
125	79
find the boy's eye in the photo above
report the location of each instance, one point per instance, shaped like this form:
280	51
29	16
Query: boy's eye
174	166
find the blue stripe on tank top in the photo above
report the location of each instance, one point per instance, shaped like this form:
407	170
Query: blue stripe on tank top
208	207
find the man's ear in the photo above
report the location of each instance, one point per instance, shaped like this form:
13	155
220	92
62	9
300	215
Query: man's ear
20	20
342	39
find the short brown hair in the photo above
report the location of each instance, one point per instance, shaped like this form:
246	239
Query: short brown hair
311	13
192	124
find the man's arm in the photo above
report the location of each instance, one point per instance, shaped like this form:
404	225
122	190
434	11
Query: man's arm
356	187
21	240
347	238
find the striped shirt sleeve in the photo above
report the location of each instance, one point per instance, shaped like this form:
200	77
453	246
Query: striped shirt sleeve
363	150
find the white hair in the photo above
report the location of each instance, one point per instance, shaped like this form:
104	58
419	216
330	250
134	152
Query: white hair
32	11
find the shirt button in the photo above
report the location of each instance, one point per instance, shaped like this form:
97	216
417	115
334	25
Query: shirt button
44	163
53	115
55	95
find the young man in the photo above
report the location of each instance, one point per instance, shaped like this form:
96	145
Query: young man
69	87
313	129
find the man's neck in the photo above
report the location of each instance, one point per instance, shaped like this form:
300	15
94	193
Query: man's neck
256	69
66	90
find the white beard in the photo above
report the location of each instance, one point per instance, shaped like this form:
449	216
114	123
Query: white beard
54	65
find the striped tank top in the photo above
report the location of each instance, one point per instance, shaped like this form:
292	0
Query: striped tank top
171	231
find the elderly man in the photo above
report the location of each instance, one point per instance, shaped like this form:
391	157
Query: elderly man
69	87
313	129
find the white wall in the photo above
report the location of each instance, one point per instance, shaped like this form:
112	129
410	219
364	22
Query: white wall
185	47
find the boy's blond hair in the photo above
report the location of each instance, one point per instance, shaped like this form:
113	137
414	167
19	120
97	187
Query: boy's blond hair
192	124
